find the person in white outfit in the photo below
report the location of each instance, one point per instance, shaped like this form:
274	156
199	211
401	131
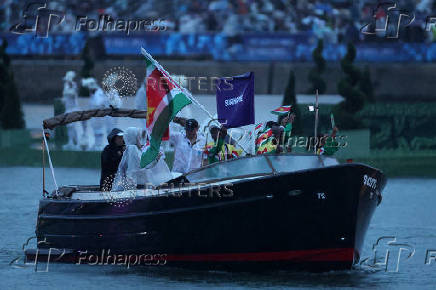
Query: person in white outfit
188	145
130	174
69	98
157	172
141	97
99	100
141	101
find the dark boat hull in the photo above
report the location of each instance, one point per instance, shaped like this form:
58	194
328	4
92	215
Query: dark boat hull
310	220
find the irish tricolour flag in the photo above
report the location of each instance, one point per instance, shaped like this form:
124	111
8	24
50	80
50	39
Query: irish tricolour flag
281	110
164	101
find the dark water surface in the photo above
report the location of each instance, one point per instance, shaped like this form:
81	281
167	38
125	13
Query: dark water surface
407	214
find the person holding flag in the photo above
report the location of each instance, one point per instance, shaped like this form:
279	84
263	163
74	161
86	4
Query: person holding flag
221	148
188	146
287	118
269	140
164	100
168	98
275	135
263	133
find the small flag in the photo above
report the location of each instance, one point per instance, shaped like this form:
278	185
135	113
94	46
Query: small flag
208	146
283	110
332	120
263	136
266	146
258	126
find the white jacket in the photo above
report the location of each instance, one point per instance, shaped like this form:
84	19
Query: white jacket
130	173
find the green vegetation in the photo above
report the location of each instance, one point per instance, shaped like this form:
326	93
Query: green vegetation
11	114
356	88
61	134
88	66
403	126
290	98
393	126
315	74
401	164
366	85
308	119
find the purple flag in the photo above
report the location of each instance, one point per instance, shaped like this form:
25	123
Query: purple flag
235	100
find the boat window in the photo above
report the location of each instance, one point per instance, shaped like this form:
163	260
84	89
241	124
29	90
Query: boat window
231	169
289	163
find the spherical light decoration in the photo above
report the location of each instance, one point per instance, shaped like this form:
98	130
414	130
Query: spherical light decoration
119	80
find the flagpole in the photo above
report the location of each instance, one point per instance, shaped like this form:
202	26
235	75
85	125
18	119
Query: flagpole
316	119
184	90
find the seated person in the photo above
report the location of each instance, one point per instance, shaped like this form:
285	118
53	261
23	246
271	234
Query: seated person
110	158
271	139
274	137
157	172
129	173
221	148
215	130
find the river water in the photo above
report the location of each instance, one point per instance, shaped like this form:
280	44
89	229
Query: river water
404	225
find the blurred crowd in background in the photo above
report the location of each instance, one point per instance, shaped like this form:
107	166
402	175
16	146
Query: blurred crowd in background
335	21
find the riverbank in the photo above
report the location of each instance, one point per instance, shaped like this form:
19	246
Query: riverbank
393	164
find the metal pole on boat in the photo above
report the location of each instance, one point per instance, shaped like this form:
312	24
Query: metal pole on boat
49	160
316	121
43	166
